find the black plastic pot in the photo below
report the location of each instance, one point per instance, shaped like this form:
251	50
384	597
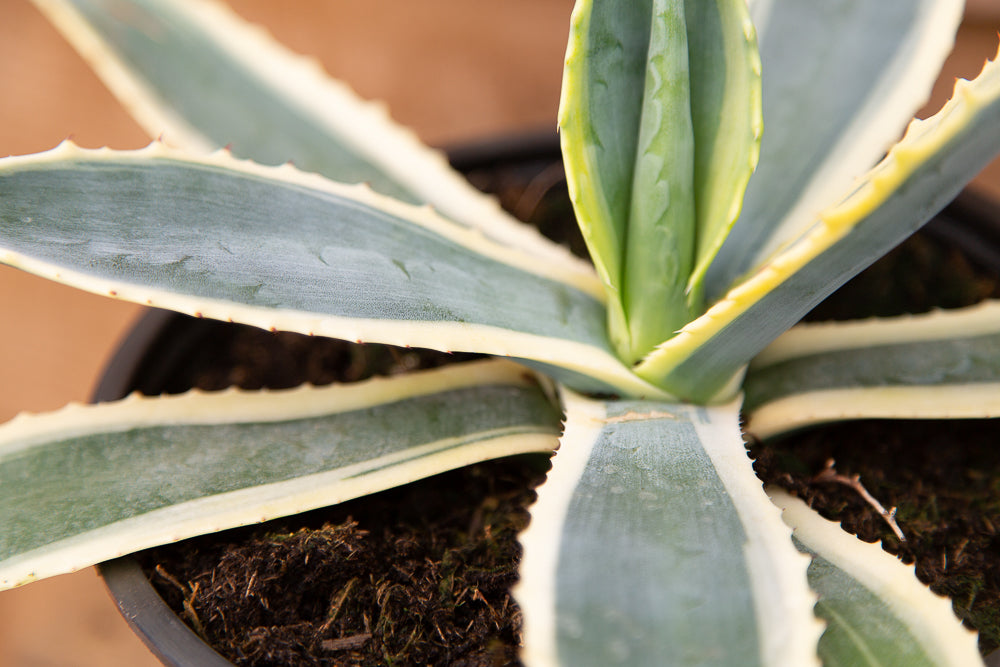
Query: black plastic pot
157	342
162	341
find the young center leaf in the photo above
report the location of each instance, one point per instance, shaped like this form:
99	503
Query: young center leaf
660	123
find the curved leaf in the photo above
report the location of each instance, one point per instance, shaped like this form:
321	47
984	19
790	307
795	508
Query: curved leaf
91	483
841	81
197	75
918	177
728	124
276	248
876	610
660	124
652	543
942	365
599	114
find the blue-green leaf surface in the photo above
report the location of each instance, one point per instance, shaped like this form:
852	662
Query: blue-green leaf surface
278	249
653	543
94	482
933	366
206	92
198	76
878	613
660	126
841	80
918	177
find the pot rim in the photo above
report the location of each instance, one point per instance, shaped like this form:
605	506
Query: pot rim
163	632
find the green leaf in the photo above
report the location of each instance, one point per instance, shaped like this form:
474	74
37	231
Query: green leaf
876	610
599	116
661	223
917	178
91	483
653	543
841	81
197	75
658	151
935	366
726	113
275	248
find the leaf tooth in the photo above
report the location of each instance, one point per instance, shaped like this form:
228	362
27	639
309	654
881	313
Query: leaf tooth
65	148
768	276
922	137
223	152
311	64
155	148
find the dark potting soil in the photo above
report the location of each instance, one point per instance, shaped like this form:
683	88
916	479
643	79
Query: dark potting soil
421	574
416	575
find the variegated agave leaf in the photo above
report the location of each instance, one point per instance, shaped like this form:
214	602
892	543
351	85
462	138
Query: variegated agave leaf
279	249
829	119
941	365
652	543
91	483
190	71
660	125
877	611
918	177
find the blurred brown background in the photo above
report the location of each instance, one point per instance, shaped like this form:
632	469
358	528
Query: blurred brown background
454	70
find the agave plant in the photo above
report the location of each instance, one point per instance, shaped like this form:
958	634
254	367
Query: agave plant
652	541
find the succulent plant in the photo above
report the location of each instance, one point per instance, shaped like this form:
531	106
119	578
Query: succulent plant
730	165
